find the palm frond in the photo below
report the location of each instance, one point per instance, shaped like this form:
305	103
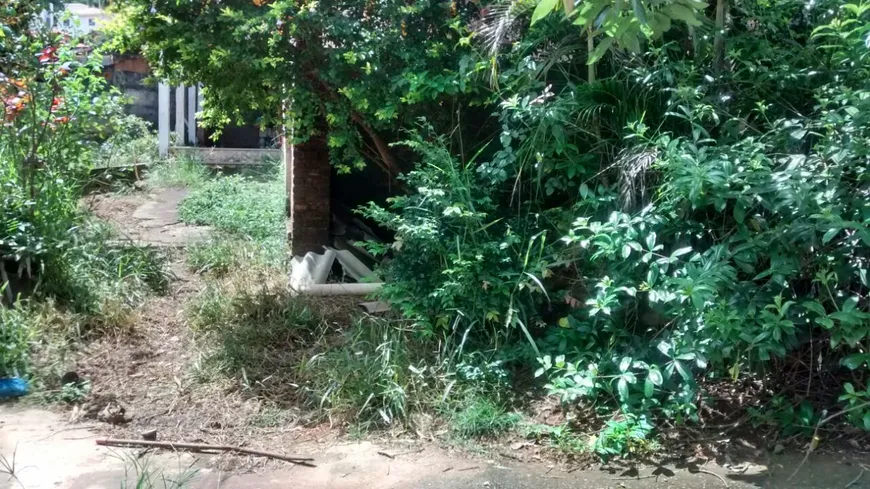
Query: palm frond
498	24
633	166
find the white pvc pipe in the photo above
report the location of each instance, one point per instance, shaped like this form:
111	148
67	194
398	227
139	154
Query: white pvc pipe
338	289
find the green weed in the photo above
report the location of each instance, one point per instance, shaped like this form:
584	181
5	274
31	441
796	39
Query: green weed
239	206
180	171
629	436
140	473
73	392
561	437
254	331
374	374
15	342
222	254
103	278
483	418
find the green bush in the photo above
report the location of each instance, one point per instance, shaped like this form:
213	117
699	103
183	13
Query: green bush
670	225
15	343
461	262
132	143
59	115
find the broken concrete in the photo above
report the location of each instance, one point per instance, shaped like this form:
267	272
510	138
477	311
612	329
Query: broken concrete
155	220
160	224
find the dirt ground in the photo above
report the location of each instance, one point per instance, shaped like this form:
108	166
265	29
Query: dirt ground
145	382
51	452
148	376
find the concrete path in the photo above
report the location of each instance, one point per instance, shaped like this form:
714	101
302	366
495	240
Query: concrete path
154	219
49	453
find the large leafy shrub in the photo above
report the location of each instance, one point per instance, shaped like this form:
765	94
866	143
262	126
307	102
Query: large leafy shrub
460	260
57	111
57	107
747	258
688	229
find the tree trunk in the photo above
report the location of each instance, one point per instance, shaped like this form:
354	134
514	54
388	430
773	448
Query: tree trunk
590	46
719	39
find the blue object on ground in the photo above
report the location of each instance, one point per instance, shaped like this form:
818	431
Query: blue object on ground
13	387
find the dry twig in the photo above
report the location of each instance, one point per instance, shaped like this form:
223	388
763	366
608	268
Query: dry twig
855	480
814	441
714	474
200	447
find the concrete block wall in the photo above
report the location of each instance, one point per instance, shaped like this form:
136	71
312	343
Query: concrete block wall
128	73
308	180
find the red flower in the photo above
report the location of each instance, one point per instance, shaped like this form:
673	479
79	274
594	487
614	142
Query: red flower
15	105
48	55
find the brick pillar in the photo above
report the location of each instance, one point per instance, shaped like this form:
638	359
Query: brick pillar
308	175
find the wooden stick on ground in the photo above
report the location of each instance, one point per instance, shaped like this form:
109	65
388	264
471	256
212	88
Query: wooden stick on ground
814	442
855	480
200	447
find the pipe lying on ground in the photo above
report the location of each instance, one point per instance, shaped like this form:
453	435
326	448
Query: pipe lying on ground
338	289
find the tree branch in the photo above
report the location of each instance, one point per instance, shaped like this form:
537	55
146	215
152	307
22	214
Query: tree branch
380	145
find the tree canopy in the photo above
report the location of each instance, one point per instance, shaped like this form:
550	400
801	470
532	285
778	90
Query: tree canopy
355	71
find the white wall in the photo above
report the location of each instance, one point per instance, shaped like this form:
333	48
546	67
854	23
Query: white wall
76	18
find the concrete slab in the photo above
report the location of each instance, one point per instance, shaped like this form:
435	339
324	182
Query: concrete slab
150	219
159	222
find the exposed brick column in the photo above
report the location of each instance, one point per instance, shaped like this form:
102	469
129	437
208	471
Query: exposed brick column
308	176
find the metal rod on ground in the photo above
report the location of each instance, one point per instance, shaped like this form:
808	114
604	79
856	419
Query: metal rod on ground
199	447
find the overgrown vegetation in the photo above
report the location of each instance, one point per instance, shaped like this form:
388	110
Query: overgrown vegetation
238	205
247	215
483	418
642	203
67	275
178	172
